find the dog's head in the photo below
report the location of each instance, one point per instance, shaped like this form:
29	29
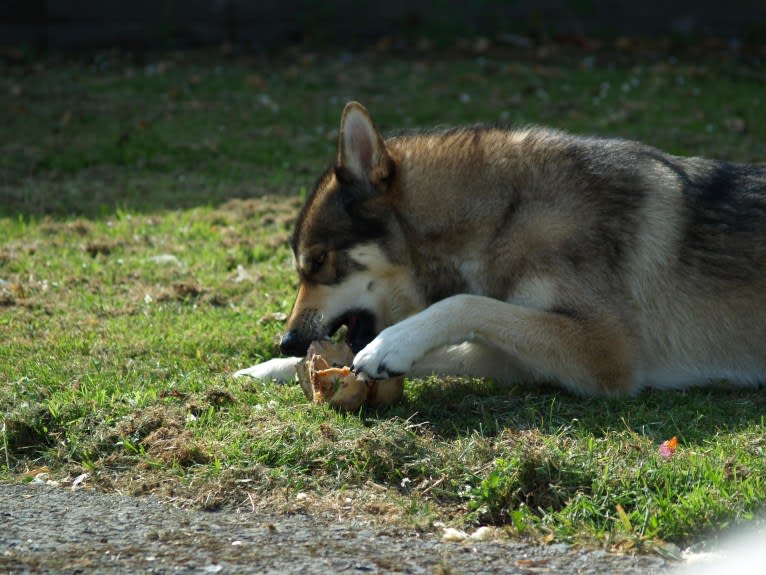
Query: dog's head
345	245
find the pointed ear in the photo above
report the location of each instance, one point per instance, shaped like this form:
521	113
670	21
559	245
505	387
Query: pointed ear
361	151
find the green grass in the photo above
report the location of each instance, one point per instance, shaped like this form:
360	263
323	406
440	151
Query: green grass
115	357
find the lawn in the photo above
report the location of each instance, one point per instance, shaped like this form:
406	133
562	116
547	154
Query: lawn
145	206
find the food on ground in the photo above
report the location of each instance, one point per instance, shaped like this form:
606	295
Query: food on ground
325	377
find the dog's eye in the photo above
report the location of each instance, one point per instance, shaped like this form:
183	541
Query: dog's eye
318	262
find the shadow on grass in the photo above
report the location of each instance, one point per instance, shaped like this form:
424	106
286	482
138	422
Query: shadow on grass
459	407
197	128
80	141
100	193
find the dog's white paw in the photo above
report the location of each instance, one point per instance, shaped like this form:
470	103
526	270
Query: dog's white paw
390	354
281	369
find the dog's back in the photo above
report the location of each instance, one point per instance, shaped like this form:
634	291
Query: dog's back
674	249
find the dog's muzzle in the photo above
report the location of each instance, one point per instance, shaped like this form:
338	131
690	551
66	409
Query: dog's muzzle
360	331
293	344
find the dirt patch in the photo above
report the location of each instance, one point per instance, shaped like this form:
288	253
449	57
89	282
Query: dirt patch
275	211
12	293
142	423
100	248
174	446
185	291
219	397
7	299
160	433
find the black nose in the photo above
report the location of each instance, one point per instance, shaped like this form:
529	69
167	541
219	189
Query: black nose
292	343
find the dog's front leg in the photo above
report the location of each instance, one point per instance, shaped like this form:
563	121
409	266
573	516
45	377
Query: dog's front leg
394	351
472	359
281	369
589	354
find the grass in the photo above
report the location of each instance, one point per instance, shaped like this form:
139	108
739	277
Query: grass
144	212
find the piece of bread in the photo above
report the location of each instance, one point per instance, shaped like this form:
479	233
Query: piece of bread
325	377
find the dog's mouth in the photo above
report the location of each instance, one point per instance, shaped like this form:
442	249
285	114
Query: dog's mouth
360	329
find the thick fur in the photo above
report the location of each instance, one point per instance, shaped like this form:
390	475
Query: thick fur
603	264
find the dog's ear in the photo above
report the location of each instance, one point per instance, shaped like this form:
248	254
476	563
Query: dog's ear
361	151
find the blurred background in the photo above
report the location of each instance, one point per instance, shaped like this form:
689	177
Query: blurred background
159	104
267	24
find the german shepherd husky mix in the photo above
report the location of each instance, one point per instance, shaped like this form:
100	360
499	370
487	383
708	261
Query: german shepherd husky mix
531	255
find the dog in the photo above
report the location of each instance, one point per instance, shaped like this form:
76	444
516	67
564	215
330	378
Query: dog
531	255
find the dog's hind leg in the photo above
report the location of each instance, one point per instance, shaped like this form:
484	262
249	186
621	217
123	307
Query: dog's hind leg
587	353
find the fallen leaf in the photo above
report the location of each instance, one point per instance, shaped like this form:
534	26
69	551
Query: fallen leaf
32	473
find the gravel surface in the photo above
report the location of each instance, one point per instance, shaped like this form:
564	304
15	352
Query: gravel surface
45	529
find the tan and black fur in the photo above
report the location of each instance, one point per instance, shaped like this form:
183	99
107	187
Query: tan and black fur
603	264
